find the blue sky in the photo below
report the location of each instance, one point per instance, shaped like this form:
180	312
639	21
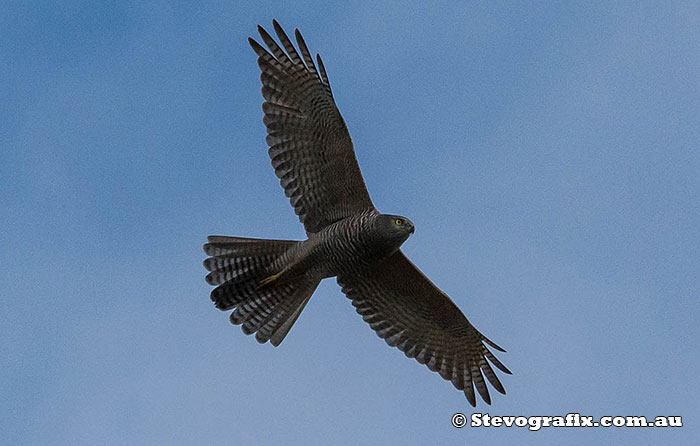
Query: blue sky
547	153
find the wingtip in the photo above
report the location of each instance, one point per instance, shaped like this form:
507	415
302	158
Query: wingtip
484	392
265	35
493	344
299	37
471	398
277	26
261	31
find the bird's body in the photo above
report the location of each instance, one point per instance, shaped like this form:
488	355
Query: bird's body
268	282
347	245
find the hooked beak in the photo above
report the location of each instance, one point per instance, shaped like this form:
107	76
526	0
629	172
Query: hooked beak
413	229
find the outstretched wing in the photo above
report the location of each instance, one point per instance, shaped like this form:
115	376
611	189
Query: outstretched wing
411	313
310	146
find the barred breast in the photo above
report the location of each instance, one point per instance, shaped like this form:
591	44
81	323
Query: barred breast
345	245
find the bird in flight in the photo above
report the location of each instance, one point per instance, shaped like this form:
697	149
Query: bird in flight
268	282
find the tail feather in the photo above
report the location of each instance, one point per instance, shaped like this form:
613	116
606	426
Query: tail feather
239	258
276	326
222	244
260	303
238	266
226	270
228	295
262	318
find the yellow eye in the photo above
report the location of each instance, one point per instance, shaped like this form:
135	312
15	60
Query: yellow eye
398	222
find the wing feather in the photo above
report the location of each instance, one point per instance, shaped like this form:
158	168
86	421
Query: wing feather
322	69
412	314
309	143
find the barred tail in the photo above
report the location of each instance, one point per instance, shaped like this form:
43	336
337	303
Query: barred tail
239	266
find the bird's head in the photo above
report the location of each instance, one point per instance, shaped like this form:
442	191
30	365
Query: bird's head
395	228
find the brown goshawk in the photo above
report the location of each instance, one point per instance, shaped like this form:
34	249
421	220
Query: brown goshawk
268	282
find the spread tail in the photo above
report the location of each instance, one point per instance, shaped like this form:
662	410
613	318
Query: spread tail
244	270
